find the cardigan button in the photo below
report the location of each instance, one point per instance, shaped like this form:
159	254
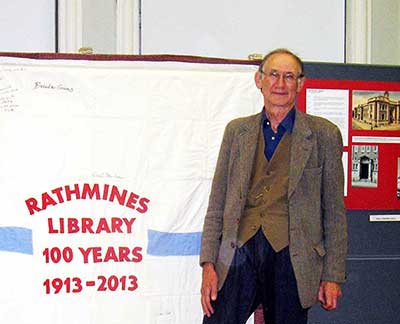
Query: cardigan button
233	245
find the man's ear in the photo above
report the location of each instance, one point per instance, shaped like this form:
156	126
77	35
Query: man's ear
258	79
300	84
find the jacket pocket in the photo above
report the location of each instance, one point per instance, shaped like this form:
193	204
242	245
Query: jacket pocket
320	249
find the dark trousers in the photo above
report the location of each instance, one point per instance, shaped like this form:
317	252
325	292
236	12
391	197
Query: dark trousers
259	275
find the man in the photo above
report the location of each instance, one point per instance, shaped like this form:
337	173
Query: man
275	231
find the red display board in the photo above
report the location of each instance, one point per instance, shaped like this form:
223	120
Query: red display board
381	192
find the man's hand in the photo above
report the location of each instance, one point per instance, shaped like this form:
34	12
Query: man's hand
208	288
328	294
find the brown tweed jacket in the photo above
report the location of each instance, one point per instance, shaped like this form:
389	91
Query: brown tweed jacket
317	217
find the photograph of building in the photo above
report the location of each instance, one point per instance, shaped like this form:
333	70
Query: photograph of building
364	171
376	110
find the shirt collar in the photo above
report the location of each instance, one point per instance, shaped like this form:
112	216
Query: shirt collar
287	123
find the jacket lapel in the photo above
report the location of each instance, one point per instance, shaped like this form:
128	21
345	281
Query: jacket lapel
301	147
248	135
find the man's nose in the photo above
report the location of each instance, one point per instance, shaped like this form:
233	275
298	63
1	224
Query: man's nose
281	80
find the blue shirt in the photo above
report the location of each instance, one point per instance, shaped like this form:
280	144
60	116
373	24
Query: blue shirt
272	139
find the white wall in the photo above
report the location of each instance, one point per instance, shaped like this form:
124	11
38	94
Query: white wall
314	29
27	26
385	37
234	29
99	25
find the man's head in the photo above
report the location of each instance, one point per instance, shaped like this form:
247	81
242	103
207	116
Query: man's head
280	78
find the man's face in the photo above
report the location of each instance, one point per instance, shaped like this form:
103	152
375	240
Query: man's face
279	82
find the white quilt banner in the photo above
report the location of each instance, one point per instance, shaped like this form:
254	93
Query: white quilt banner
105	172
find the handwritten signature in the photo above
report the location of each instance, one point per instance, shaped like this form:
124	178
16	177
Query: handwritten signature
106	175
50	86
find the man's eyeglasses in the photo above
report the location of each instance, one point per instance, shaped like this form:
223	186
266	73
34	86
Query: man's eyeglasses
289	77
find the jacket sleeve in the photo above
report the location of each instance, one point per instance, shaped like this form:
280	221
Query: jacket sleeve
333	208
213	223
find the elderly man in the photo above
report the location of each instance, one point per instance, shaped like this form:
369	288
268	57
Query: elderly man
275	231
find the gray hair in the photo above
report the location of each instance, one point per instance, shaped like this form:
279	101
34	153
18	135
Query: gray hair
282	51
